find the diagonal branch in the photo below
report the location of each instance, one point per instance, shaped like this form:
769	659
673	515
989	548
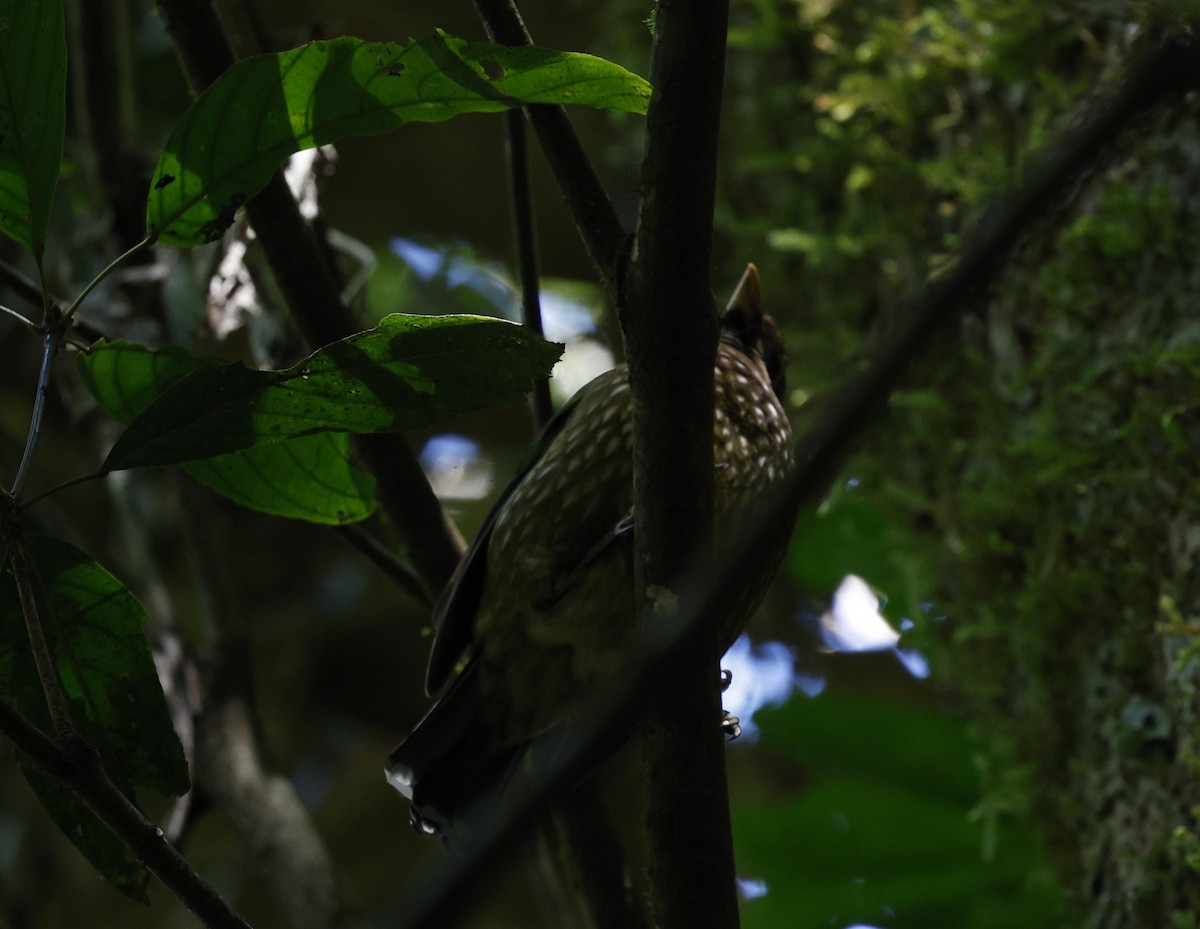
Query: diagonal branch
84	775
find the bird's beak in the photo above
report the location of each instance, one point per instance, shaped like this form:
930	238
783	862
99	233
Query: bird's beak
747	296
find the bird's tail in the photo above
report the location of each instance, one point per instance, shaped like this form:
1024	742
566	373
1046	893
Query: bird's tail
447	764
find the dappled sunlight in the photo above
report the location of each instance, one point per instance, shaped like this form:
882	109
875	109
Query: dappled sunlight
751	889
854	624
763	675
569	309
455	467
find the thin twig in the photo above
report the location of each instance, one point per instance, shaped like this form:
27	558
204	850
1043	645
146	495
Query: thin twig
51	333
606	240
24	321
526	248
383	558
29	290
112	266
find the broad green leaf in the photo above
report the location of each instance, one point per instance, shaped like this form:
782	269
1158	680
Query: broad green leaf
33	106
93	627
310	478
246	124
408	372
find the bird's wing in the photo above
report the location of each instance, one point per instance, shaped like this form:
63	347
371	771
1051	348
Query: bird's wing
454	613
622	530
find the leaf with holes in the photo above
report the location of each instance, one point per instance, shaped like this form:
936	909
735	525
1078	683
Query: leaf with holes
409	372
310	478
246	124
33	107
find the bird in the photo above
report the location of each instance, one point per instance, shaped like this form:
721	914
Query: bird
540	611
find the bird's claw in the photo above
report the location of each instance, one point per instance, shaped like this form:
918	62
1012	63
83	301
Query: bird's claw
726	679
730	725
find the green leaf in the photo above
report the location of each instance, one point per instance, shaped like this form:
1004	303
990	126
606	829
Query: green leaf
246	124
33	106
93	627
310	478
408	372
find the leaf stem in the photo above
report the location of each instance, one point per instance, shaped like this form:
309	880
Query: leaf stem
112	266
52	330
82	479
379	555
26	322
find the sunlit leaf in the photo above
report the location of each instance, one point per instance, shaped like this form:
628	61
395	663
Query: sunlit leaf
33	103
408	372
243	127
310	478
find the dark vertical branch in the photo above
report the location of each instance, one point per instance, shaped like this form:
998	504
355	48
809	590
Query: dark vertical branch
526	248
670	326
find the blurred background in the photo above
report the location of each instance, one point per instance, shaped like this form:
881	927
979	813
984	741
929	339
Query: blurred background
965	702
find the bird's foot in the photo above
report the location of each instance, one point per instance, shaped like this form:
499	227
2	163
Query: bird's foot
730	725
726	679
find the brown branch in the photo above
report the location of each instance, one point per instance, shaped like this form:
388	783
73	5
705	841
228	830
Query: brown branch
300	263
603	236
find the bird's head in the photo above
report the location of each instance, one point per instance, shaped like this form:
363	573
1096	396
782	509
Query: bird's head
753	332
